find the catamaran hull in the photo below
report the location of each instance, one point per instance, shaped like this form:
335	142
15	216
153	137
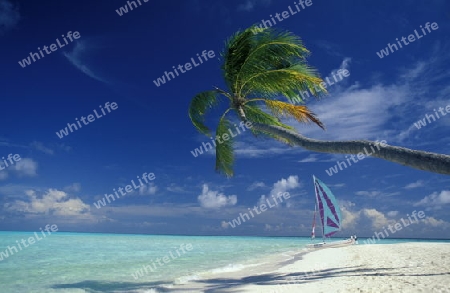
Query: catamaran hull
333	244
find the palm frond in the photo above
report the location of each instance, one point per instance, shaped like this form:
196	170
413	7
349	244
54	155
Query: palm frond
259	64
273	50
254	114
237	48
287	82
198	108
269	63
224	148
300	113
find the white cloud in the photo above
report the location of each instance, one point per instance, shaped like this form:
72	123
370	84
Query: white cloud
75	187
274	200
339	185
9	16
256	185
268	227
354	219
375	193
224	225
284	185
335	81
429	90
262	148
371	219
349	216
365	108
25	167
368	193
418	183
309	159
175	188
392	213
53	202
378	219
435	200
364	111
435	222
345	65
281	186
263	199
213	199
77	57
41	147
148	189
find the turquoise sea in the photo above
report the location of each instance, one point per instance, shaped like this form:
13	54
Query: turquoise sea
77	262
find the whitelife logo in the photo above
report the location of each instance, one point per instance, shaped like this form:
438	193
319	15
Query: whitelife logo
10	250
263	207
128	189
422	123
90	118
334	170
341	73
207	146
396	227
285	14
152	267
76	35
10	158
411	38
183	68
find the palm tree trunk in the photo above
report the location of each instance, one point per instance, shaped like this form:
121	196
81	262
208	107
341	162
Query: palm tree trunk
421	160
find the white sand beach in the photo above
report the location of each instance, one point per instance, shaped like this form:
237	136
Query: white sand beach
406	267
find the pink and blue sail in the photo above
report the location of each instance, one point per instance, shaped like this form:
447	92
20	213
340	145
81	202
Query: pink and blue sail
329	211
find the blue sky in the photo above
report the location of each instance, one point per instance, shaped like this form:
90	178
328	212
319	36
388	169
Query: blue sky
116	58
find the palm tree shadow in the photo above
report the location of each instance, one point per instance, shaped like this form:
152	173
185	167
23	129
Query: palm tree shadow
229	285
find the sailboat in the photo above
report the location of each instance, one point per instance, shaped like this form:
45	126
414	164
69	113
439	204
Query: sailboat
330	217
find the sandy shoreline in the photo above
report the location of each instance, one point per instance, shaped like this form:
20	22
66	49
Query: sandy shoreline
405	267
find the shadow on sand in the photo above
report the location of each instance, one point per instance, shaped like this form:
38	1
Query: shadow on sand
231	285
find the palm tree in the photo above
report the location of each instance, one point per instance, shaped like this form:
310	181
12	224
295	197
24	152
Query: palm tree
260	65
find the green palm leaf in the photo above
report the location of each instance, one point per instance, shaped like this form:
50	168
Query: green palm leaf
256	115
224	148
198	108
236	51
274	49
300	113
285	82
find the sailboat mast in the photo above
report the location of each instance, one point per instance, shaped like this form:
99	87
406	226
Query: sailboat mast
313	232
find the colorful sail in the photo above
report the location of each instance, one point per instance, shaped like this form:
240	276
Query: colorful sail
330	214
